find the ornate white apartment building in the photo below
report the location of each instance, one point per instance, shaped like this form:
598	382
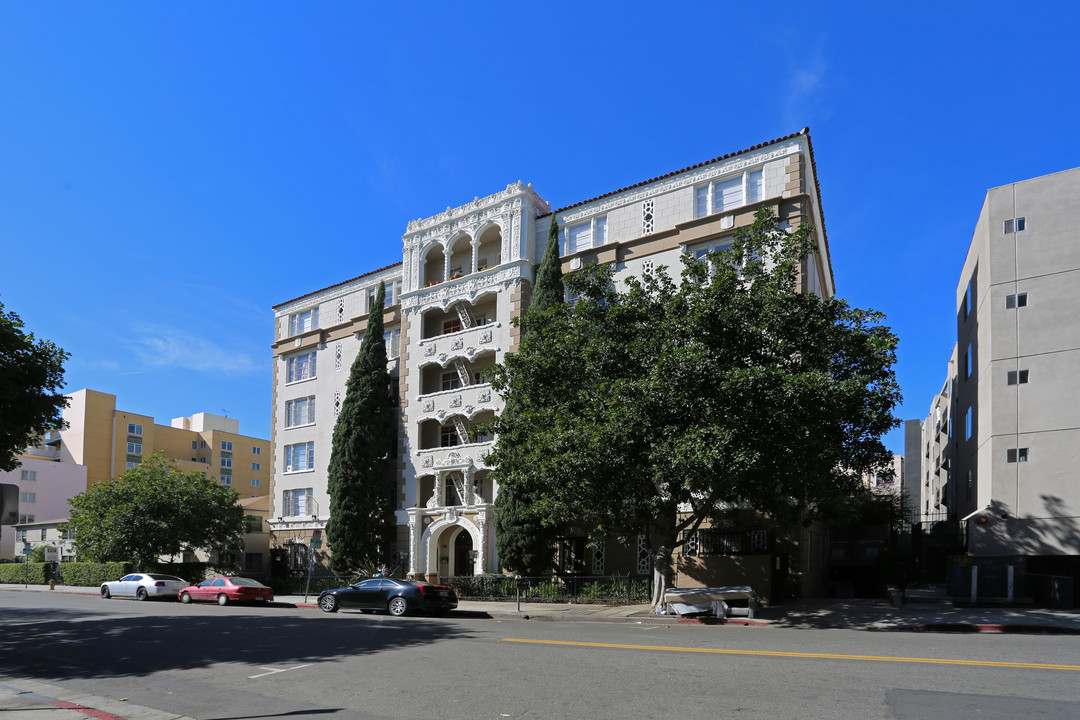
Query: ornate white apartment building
465	274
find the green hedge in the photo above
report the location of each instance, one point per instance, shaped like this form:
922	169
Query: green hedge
88	574
33	573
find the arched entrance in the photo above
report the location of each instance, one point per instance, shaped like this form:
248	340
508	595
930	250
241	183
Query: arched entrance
463	553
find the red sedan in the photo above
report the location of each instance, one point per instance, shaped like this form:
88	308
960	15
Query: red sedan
225	590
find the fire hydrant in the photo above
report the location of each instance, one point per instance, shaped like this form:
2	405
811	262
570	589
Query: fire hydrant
52	584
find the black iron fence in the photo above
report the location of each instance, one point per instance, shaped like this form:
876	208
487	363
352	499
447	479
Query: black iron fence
606	589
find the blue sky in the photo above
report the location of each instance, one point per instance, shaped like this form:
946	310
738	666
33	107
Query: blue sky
169	172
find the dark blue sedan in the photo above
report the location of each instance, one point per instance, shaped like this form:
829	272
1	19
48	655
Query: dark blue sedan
394	595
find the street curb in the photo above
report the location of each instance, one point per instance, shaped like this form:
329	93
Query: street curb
1003	628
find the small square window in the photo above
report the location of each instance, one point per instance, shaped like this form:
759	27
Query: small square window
134	429
1014	225
1013	455
1016	377
1021	224
256	450
1018	300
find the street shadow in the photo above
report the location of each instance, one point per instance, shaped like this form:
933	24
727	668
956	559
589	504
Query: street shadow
64	644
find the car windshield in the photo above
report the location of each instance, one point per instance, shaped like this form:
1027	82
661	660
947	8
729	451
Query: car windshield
246	581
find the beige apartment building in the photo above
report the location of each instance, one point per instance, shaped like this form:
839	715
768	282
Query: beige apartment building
108	441
1000	449
465	275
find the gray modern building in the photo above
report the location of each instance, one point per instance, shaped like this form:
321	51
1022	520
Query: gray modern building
1005	430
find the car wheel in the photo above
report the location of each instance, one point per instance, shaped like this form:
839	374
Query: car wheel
222	599
185	598
328	603
140	594
105	594
397	606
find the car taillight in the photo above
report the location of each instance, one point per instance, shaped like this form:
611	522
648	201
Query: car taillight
159	583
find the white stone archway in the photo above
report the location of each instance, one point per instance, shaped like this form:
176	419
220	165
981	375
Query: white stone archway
444	527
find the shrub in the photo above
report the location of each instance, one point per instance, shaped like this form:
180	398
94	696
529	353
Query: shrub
87	574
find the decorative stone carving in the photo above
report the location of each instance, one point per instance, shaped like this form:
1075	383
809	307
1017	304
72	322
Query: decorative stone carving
455	401
429	350
485	337
337	355
484	396
429	406
457	344
454	459
426	461
451	514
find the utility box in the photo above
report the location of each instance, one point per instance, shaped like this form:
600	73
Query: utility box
988	579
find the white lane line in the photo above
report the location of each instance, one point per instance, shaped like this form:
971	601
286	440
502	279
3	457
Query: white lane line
274	671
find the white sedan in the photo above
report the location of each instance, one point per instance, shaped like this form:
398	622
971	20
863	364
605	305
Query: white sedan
142	586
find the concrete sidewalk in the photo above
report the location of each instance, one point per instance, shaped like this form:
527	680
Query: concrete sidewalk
926	611
34	700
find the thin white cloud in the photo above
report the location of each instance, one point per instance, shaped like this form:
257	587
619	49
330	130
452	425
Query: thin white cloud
165	346
806	85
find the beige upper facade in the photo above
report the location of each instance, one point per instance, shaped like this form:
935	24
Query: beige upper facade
465	275
108	441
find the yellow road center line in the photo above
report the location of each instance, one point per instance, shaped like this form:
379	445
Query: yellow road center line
816	656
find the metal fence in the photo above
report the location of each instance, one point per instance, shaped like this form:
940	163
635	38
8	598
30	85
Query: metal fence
605	589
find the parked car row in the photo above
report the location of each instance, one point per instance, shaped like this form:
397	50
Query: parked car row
394	595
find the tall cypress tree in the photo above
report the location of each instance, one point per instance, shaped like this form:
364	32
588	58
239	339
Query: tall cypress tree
360	484
523	543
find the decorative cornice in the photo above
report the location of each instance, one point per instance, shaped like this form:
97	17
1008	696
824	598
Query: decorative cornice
690	178
472	214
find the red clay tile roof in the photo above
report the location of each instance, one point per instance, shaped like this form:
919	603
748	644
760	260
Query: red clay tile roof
331	287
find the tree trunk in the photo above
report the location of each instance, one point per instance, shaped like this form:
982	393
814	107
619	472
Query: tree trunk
661	559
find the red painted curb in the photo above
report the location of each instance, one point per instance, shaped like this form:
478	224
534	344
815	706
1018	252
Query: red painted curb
100	714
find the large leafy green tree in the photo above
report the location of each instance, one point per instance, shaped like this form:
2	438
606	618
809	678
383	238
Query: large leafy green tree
155	509
31	377
360	484
524	543
729	389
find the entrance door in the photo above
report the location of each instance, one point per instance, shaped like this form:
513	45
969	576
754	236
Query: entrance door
463	562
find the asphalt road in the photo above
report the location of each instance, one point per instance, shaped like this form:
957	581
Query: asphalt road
233	663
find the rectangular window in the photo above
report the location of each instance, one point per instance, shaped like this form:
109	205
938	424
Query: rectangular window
28	475
969	362
226	479
727	195
255	482
194	444
134	448
1016	377
256	450
967	300
300	411
20	535
23	519
719	196
397	292
27	497
202	444
300	367
300	457
129	464
256	466
1013	455
967	424
754	186
253	524
392	340
226	462
1014	225
303	322
448	436
451	326
450	381
1018	300
296	502
134	429
371	293
226	445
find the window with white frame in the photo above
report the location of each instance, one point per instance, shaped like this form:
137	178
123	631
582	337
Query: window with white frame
1014	455
1012	225
134	448
226	445
589	234
448	436
296	502
1018	300
226	462
300	457
28	475
256	466
392	340
20	535
255	482
371	293
134	429
25	518
731	192
27	497
300	367
255	450
226	479
302	322
300	411
451	380
129	464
